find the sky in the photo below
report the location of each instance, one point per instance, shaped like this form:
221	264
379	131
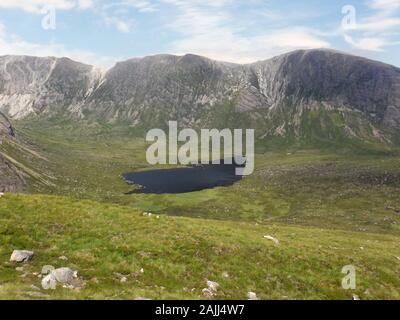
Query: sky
103	32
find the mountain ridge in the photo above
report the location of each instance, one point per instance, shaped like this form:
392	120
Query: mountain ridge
272	95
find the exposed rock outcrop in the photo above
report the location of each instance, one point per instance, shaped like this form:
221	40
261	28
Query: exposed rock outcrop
274	95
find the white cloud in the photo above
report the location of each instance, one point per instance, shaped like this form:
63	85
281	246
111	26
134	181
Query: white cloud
377	24
142	5
368	44
119	14
85	4
375	31
36	6
207	28
119	23
384	4
227	46
13	45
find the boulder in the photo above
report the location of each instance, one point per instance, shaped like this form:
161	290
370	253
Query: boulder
252	296
21	256
212	285
47	269
49	282
64	275
207	293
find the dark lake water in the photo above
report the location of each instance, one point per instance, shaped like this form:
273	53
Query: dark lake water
181	180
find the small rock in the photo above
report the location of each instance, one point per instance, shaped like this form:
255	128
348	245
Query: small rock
64	258
275	240
252	296
49	282
225	275
21	256
77	283
212	285
123	279
142	270
64	275
1	194
47	269
356	297
207	293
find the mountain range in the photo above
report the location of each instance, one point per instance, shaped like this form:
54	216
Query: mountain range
307	93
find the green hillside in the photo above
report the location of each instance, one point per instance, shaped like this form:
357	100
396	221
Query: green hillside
178	254
328	208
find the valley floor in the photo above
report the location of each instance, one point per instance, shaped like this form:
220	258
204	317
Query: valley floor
328	208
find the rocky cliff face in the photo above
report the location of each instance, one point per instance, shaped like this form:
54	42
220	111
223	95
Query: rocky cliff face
334	78
11	179
280	96
182	87
31	85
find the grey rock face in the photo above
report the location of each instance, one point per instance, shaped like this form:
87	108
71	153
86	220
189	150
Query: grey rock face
188	88
6	129
21	256
339	79
178	86
31	85
11	179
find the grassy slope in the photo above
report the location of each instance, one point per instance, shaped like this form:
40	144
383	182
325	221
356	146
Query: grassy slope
312	190
330	188
178	254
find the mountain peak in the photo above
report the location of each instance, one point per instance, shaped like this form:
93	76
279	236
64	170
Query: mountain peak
149	91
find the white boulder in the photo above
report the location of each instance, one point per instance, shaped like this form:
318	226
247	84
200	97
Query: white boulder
212	285
275	240
47	269
49	282
252	296
21	256
64	275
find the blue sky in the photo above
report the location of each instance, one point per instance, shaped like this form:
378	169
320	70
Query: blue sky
102	32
